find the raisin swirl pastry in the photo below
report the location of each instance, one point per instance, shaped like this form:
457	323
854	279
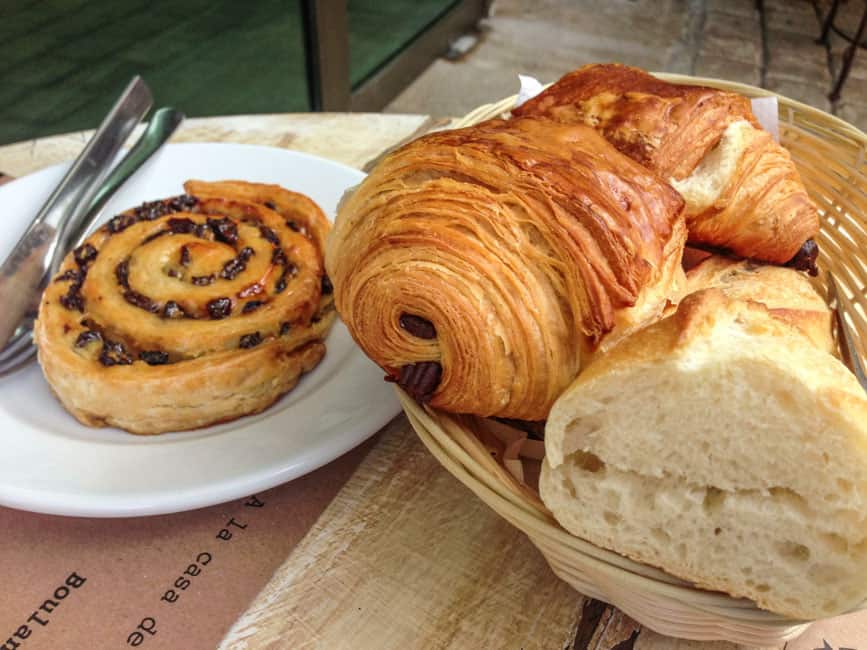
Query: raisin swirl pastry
480	267
188	311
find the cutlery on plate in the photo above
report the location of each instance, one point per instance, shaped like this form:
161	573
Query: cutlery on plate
71	231
27	269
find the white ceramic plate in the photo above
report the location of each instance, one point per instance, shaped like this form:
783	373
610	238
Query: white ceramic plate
50	463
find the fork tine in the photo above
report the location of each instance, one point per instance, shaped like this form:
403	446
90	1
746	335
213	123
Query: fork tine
14	363
14	348
847	342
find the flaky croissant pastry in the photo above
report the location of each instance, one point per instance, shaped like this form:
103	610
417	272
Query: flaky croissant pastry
743	193
480	266
188	311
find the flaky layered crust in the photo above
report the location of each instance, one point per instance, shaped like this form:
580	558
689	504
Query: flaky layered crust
666	127
189	311
518	245
750	201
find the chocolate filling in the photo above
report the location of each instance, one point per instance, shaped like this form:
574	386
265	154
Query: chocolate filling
805	258
154	357
418	326
421	379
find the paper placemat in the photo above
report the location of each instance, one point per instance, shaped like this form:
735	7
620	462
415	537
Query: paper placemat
170	581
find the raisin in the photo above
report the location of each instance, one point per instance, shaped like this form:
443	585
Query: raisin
84	254
203	280
269	235
120	223
293	226
121	272
72	301
284	328
327	287
154	357
225	230
279	257
232	268
114	354
270	205
219	308
69	274
173	310
250	340
87	336
183	202
181	226
185	256
140	300
251	306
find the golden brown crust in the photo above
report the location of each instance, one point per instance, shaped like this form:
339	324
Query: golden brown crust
520	241
788	295
184	313
762	211
666	127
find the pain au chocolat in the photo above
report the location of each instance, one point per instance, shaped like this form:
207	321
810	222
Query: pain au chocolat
189	311
480	267
743	193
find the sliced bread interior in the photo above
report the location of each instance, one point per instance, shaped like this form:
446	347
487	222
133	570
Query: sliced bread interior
726	447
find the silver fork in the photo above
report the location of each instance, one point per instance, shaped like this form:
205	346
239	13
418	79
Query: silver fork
20	349
848	351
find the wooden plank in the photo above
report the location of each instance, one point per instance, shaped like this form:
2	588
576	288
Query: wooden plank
406	557
349	138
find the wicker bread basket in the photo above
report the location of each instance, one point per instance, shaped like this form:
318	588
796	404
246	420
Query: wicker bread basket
831	156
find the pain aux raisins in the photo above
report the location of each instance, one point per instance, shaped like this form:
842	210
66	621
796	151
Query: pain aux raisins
250	340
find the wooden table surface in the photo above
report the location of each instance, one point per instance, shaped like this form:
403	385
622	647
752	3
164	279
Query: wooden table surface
405	556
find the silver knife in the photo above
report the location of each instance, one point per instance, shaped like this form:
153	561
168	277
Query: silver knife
27	269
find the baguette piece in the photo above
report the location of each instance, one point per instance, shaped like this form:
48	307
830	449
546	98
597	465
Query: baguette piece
721	445
788	294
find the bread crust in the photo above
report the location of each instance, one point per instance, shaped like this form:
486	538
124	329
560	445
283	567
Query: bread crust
522	243
750	201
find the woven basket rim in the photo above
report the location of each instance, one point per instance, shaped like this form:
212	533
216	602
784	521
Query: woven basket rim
731	612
